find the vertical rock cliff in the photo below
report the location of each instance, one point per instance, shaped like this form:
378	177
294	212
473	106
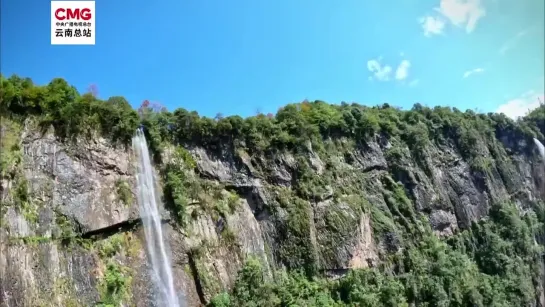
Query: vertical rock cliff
77	225
418	213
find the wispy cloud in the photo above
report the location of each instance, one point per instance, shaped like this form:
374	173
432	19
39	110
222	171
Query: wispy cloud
414	82
512	42
402	70
460	13
380	72
520	106
473	71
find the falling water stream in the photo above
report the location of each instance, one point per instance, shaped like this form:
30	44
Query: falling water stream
148	198
540	147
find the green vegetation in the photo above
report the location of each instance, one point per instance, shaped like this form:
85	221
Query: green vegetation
186	194
115	284
71	114
493	262
124	192
109	247
74	115
29	240
295	124
23	200
295	249
10	147
66	229
65	290
11	170
229	236
113	287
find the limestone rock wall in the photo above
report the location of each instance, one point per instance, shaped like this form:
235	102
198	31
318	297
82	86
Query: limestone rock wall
73	191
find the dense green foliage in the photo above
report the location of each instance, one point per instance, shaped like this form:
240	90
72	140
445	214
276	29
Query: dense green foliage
296	124
71	114
491	263
115	284
124	192
494	263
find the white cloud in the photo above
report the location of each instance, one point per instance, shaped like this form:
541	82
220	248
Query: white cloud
522	105
402	70
473	71
432	25
381	73
510	43
384	72
460	13
464	13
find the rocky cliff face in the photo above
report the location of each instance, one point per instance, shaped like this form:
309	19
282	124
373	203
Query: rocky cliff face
70	231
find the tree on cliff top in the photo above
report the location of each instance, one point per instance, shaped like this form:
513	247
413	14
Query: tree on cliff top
294	125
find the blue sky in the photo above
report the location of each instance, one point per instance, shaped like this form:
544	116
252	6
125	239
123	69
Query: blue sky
239	56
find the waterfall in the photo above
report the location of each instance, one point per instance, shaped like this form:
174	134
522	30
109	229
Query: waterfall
540	147
157	248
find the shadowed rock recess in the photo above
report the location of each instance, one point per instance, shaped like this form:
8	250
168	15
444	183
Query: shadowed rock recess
318	205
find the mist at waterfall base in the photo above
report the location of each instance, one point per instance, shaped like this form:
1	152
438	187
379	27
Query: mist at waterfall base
156	246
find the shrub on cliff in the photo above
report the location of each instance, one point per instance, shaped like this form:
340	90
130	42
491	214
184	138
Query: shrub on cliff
71	114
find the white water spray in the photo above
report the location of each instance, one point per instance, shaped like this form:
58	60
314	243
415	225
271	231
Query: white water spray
148	198
540	147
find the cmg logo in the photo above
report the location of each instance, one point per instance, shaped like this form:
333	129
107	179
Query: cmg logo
71	14
73	22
